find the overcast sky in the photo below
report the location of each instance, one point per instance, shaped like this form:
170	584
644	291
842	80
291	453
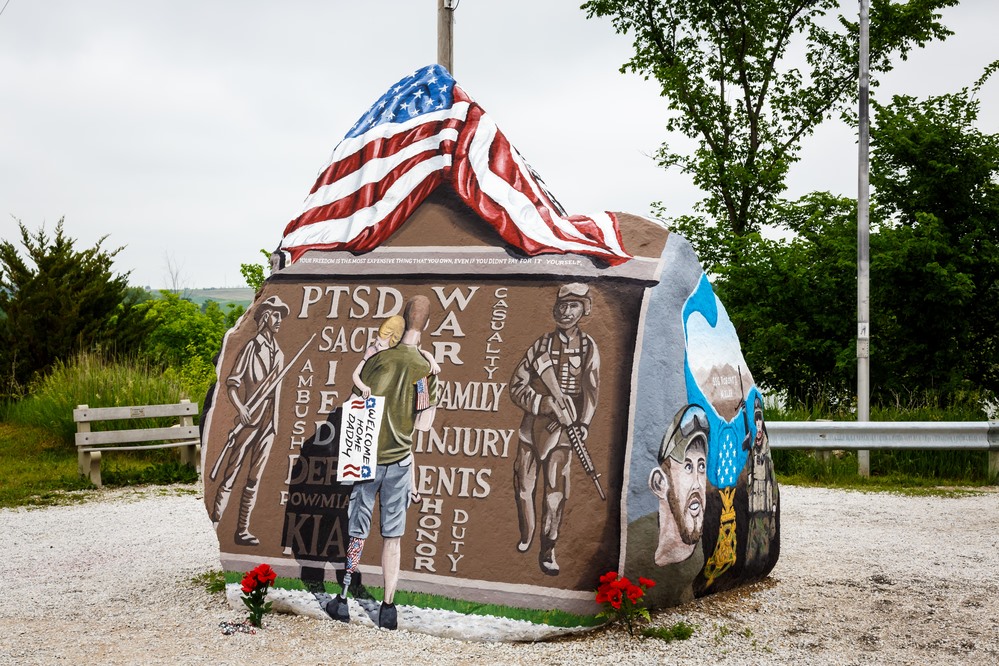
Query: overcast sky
191	131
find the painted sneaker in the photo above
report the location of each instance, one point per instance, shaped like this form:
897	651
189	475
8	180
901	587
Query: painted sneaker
337	609
387	617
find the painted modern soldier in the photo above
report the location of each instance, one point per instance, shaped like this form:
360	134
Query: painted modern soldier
680	483
252	387
665	545
556	384
761	492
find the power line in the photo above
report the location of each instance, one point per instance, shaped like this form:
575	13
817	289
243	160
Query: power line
4	7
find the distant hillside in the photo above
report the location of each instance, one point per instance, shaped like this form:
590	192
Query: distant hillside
240	296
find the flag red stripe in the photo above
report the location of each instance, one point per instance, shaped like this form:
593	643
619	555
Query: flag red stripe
381	148
371	237
504	164
466	184
504	174
366	195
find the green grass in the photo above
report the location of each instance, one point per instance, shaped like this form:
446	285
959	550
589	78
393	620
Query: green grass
91	380
36	468
213	581
223	296
38	457
553	618
680	631
159	472
910	472
912	406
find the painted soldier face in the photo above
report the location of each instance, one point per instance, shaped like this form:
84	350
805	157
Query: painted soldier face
686	490
758	441
271	321
567	313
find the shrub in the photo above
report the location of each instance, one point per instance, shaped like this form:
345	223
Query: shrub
91	380
162	473
182	331
56	300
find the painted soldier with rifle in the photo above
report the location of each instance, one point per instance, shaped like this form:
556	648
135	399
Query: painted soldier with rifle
556	384
253	386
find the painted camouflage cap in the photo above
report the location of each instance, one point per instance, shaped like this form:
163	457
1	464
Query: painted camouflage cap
689	424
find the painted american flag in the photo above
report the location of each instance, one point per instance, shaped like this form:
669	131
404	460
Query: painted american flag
424	131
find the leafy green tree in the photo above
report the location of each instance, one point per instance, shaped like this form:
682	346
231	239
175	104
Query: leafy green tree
793	301
254	273
935	287
129	322
57	301
181	330
934	268
185	338
725	71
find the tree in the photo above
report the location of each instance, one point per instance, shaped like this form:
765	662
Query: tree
935	287
175	277
57	301
725	71
792	301
182	331
254	273
185	338
934	268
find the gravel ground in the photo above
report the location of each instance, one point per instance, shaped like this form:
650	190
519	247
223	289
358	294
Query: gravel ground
862	579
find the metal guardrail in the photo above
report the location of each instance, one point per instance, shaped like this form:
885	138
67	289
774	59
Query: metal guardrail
857	435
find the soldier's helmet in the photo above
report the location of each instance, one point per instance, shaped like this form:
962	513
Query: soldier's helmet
576	291
689	425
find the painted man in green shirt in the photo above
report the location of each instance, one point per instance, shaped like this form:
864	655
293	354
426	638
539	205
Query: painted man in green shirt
403	376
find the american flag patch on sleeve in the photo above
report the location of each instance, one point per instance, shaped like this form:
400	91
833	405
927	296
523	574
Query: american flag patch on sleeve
422	395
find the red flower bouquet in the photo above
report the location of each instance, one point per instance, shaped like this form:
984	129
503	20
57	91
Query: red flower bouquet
255	584
622	599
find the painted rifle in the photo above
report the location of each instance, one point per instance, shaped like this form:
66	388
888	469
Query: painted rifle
256	399
572	430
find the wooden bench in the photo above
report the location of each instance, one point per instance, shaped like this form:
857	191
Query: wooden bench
90	445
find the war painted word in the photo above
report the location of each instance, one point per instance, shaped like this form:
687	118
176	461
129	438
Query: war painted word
444	481
359	301
303	403
366	302
304	532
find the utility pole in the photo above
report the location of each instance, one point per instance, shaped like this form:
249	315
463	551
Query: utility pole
445	24
863	242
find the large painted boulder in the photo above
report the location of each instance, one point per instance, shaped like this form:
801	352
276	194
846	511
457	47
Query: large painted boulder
561	396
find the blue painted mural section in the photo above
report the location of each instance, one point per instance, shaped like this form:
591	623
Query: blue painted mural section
707	327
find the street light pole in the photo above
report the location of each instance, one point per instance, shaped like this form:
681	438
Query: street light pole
863	241
445	23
